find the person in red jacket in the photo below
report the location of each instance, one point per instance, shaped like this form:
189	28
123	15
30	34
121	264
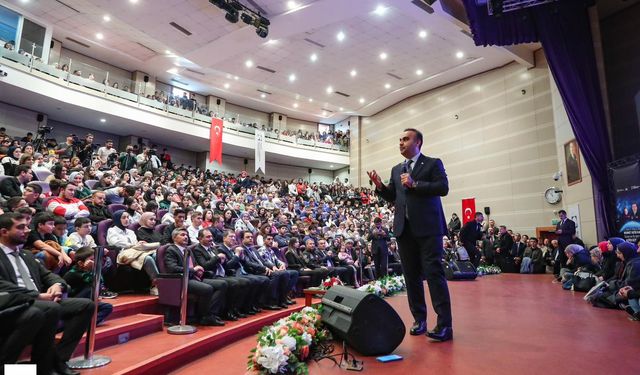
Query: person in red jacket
67	206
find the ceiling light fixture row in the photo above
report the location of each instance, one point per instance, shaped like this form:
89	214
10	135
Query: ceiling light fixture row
236	10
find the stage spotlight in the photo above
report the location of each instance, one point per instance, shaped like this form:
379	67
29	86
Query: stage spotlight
262	32
246	18
231	16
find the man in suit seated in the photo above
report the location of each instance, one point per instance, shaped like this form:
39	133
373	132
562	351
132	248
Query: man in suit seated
21	273
12	186
210	293
327	259
270	260
278	281
207	256
233	267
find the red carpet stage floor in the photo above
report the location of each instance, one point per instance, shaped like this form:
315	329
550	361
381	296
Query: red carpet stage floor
503	324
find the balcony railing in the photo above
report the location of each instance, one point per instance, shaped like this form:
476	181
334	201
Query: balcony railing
122	90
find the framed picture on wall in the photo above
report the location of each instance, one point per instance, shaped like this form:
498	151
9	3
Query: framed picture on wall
572	162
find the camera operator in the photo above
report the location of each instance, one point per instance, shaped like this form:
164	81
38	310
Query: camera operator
105	151
85	149
128	159
66	149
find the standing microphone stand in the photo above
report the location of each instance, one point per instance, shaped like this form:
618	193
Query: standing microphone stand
89	360
183	328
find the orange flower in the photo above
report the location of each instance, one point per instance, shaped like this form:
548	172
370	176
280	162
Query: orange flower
304	353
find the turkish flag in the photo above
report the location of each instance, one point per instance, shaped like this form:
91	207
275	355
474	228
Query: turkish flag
215	139
468	210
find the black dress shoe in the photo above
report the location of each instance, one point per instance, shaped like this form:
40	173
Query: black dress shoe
418	328
238	314
256	309
211	320
62	369
229	317
291	301
284	305
271	307
441	334
249	312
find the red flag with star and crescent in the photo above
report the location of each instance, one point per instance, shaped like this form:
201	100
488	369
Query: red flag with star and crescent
468	210
215	141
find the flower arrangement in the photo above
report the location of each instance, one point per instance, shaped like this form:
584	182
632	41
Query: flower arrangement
489	270
385	286
329	282
284	346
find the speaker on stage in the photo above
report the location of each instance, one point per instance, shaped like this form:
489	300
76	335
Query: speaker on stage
365	321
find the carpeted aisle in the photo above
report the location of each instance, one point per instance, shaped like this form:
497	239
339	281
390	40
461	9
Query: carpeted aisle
504	324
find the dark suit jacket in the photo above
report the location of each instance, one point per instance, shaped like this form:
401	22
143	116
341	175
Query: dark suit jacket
421	204
517	250
10	187
232	265
42	277
295	261
252	262
173	261
204	259
568	231
470	233
505	243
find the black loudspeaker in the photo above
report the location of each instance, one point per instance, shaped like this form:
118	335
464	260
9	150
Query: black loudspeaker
40	117
146	79
280	118
218	102
246	161
52	44
310	170
365	321
459	270
487	210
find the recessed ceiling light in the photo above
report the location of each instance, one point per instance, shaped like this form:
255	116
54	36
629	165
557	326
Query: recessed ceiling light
387	86
173	71
380	10
106	18
353	73
341	109
295	105
226	85
422	34
310	100
383	56
292	77
167	52
361	100
477	88
133	1
329	90
292	5
524	76
331	166
271	41
419	72
236	78
324	113
248	63
263	95
103	120
99	36
313	57
459	54
341	36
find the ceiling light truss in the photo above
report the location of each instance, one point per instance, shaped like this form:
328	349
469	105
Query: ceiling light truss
235	11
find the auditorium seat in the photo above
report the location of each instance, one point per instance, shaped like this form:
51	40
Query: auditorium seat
169	289
116	207
90	183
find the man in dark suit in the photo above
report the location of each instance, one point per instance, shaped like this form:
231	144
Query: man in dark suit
207	256
565	229
379	249
233	267
416	186
21	273
489	247
505	243
11	186
210	293
517	253
470	234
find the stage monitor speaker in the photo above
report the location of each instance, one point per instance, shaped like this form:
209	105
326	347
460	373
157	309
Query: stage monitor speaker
218	102
310	170
40	117
487	210
279	117
145	79
246	161
365	321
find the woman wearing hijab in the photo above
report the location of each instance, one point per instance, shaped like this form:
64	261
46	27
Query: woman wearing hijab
131	254
609	260
82	191
146	231
10	162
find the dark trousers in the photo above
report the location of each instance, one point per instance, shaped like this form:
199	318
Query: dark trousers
345	274
422	258
380	260
293	280
209	295
474	254
104	309
279	284
237	292
316	275
259	289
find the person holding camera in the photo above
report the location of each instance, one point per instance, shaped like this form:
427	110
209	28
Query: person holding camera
86	150
105	151
66	149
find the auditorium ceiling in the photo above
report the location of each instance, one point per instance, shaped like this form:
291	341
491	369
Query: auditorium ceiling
323	60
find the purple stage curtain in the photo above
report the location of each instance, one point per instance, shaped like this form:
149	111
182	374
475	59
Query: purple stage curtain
563	29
